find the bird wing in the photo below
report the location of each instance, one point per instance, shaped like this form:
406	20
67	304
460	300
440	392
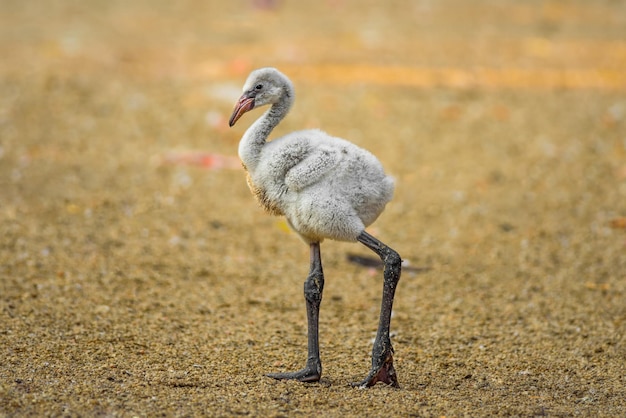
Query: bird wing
318	162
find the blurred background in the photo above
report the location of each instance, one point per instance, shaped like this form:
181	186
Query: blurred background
134	261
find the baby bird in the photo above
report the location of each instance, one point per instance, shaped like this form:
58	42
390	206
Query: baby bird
325	187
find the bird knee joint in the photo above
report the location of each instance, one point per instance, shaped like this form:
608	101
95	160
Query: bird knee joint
392	258
393	267
313	287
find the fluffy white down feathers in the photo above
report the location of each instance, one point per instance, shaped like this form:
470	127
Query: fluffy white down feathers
326	187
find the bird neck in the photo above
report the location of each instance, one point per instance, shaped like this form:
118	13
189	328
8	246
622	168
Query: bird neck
256	136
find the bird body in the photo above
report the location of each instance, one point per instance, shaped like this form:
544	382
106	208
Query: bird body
326	187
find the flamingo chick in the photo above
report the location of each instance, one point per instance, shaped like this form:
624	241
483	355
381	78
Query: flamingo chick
326	187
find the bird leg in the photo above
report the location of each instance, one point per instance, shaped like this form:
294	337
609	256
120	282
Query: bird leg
382	352
313	287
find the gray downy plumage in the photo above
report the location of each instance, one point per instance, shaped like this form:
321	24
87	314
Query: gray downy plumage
326	187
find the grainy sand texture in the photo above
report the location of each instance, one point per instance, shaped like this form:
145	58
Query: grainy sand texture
138	276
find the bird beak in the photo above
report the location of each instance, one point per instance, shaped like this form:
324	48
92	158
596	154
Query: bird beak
244	104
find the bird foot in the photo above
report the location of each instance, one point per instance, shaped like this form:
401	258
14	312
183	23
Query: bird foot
308	374
385	373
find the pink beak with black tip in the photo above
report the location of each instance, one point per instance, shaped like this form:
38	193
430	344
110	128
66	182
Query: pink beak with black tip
244	104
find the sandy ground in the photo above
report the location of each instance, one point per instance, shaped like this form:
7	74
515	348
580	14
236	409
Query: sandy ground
138	277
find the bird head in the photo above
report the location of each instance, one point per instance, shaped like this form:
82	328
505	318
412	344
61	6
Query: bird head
264	86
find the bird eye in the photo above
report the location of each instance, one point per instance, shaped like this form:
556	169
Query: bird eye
259	86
